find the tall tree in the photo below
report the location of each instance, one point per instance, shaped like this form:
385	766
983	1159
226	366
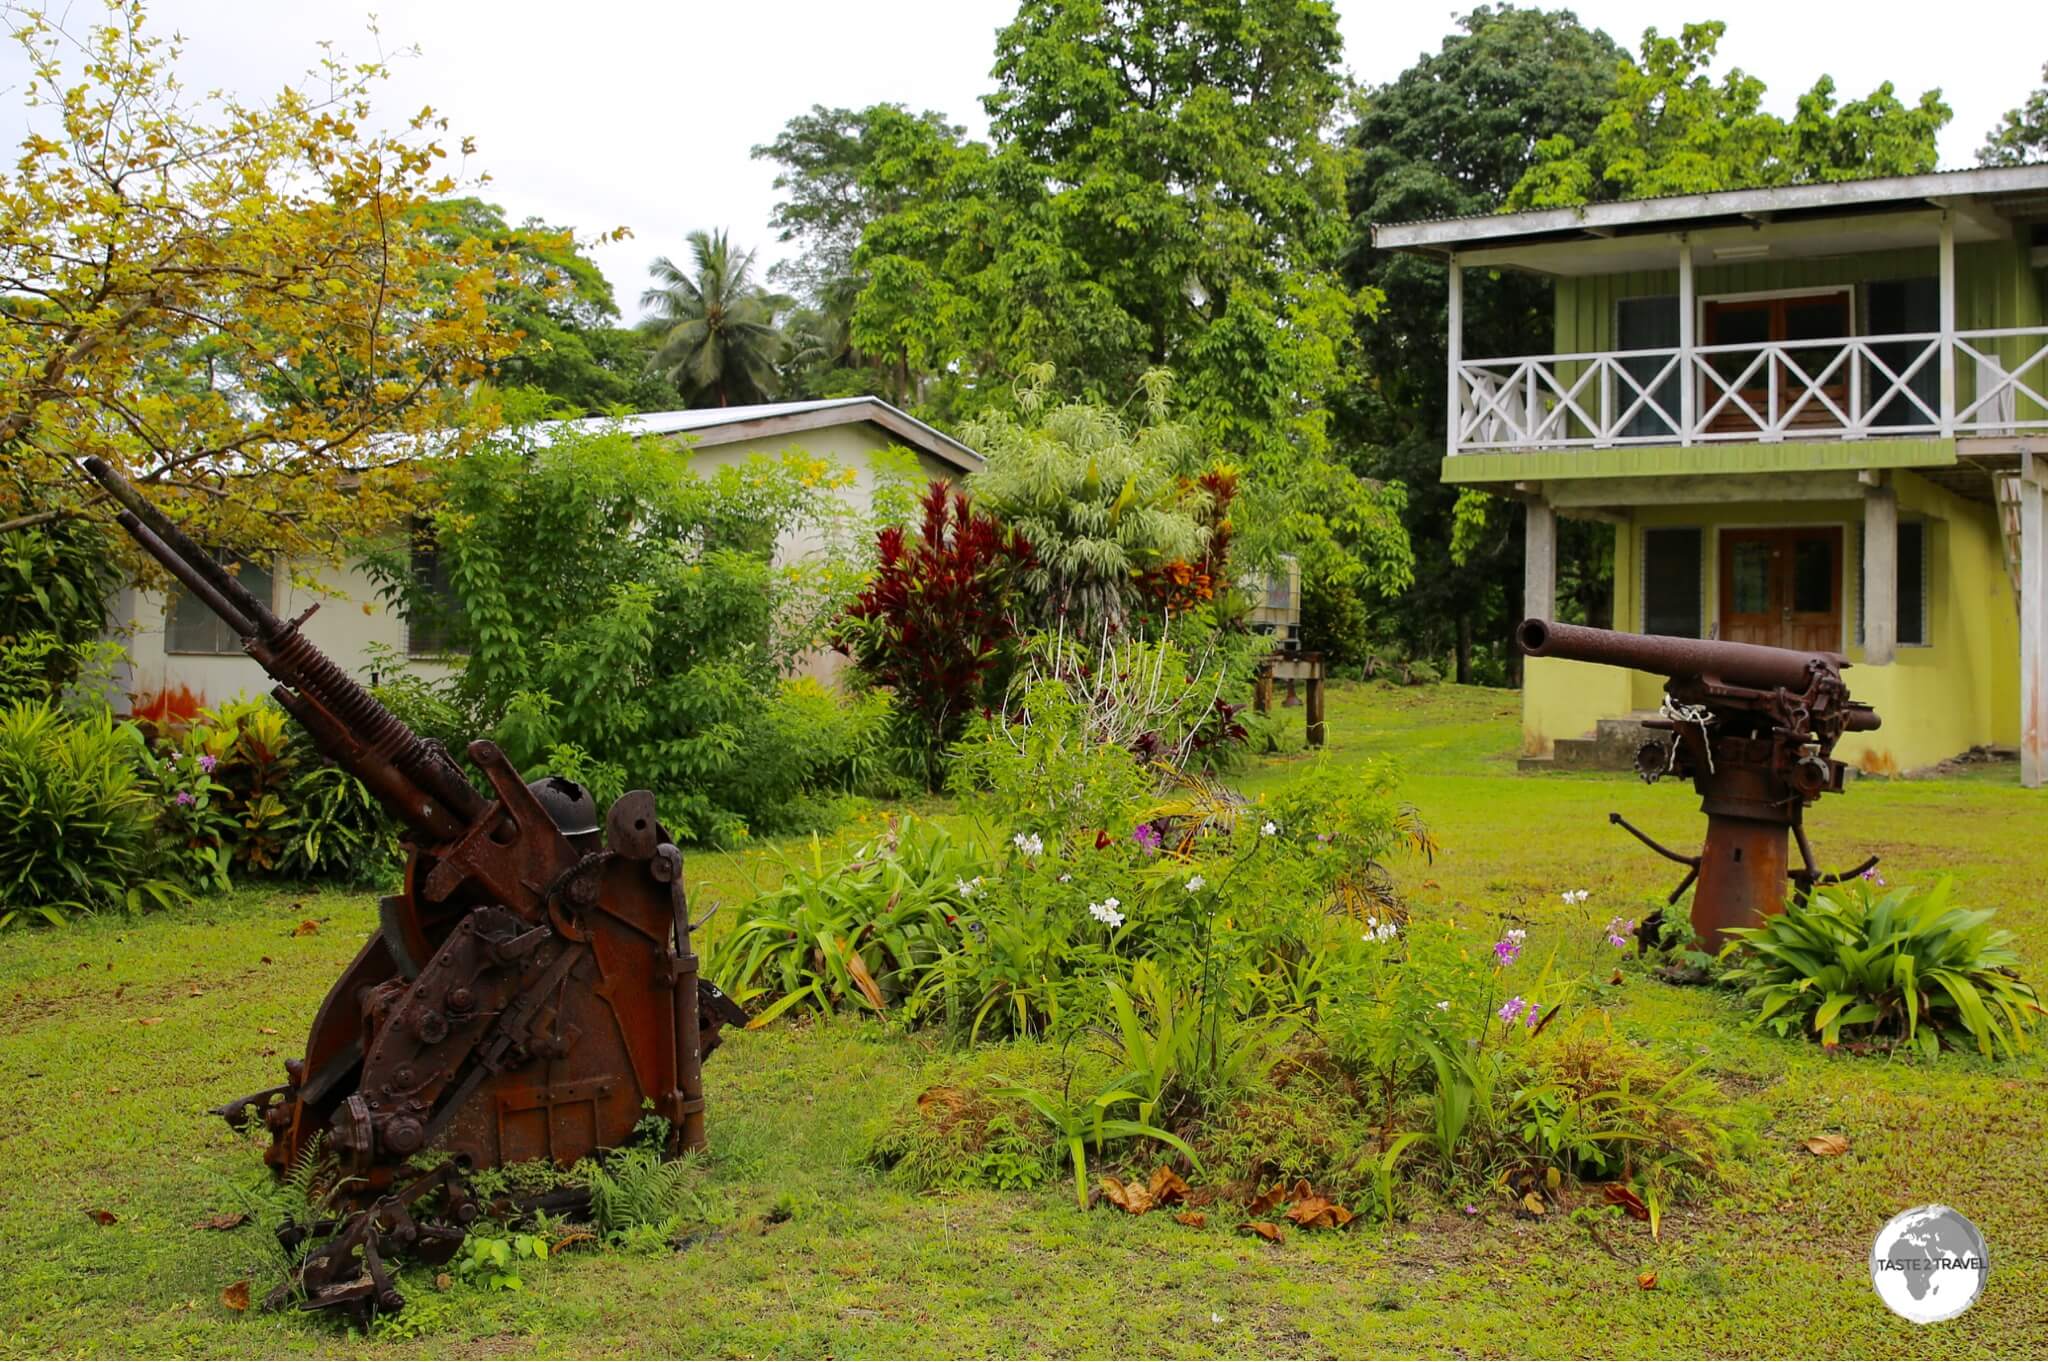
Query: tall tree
1673	129
233	302
841	170
558	304
1449	137
1162	190
717	327
2022	135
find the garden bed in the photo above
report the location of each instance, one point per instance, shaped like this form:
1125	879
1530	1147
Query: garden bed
119	1032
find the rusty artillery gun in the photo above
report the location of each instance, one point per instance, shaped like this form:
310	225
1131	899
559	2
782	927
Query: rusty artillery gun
1754	729
528	994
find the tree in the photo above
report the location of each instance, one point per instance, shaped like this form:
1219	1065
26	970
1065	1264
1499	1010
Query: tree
719	342
841	171
1671	129
556	301
2022	135
232	302
1448	137
1162	191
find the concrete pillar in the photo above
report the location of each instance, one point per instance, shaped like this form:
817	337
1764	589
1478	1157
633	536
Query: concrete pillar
1539	561
1454	346
1880	575
2033	621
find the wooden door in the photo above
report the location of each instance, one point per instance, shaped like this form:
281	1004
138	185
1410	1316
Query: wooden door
1755	321
1783	588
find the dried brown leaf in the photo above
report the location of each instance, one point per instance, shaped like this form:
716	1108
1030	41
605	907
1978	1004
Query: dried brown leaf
100	1217
1265	1229
1619	1195
226	1220
1647	1281
1827	1146
1134	1197
1167	1187
1268	1199
306	927
857	968
1194	1220
1318	1212
236	1296
1532	1203
149	1021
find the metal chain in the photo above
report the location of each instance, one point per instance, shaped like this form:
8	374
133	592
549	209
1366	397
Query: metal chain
1699	715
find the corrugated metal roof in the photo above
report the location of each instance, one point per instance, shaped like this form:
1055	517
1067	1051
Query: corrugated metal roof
726	424
1662	210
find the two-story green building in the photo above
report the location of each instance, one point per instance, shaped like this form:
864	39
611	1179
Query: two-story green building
1815	416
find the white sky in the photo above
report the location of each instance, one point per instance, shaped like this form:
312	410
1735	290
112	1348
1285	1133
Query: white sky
606	114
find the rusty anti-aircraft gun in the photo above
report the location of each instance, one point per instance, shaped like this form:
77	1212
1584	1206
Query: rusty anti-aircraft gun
1754	729
528	992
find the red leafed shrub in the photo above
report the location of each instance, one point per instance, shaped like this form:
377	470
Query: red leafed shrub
935	624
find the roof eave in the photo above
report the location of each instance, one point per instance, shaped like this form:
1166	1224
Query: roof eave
1593	220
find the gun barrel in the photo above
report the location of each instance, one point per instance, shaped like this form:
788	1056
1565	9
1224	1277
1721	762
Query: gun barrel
411	778
1738	664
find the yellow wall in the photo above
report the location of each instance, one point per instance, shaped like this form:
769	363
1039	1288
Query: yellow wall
1958	691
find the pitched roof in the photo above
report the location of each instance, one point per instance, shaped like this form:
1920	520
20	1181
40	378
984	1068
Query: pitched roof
2023	190
730	425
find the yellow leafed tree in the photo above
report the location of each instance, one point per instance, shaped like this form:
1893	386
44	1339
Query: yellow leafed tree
229	300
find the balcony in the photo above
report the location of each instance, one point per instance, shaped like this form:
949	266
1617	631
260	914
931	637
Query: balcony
1962	383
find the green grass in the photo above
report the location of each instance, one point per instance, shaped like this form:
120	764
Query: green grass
115	1035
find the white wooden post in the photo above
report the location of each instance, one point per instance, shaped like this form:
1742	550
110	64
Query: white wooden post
1948	325
1686	377
2033	621
1539	561
1454	342
1880	575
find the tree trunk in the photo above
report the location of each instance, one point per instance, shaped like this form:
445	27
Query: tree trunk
1464	650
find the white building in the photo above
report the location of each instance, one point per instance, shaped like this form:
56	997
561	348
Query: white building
181	648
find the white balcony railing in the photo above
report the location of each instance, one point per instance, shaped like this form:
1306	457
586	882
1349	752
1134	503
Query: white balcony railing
1850	388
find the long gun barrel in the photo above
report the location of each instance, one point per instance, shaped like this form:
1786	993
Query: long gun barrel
1736	664
411	777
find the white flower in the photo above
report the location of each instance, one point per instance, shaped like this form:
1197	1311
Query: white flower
1215	1318
1195	884
1444	1005
1269	829
1377	930
1517	935
1066	879
964	889
1106	913
1029	843
1576	895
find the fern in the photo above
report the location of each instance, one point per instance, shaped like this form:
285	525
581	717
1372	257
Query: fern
635	1187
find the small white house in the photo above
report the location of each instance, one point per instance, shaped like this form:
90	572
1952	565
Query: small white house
179	647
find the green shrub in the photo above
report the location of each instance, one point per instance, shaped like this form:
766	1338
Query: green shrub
76	833
614	601
958	1136
862	932
55	581
1904	966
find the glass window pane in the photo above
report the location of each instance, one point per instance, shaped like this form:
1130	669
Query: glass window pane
1813	576
1671	582
1749	571
433	623
193	628
1912	581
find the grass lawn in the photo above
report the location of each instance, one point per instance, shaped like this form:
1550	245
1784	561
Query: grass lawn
116	1034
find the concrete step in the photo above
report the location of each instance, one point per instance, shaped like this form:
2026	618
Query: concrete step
1611	747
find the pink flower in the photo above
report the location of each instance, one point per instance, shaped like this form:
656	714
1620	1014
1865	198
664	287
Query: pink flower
206	764
1511	1010
184	796
1509	947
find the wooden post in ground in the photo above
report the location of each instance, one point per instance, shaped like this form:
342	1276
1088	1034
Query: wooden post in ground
1262	688
1315	700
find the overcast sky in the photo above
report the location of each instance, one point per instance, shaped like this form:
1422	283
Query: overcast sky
603	114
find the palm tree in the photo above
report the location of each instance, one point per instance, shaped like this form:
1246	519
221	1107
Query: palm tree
719	342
